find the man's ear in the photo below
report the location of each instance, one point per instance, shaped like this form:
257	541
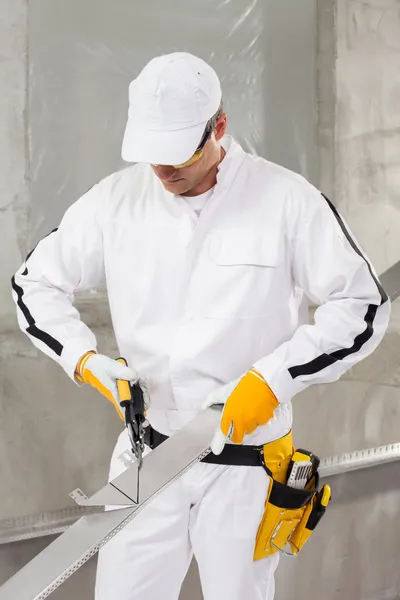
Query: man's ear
220	127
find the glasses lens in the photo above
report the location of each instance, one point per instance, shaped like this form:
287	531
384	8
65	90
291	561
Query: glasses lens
204	139
198	153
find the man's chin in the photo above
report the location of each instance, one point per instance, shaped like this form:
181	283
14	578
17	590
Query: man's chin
176	187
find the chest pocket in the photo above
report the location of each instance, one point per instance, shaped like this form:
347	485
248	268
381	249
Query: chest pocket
244	248
240	271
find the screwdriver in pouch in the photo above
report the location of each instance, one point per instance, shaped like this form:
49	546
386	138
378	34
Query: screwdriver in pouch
324	497
131	398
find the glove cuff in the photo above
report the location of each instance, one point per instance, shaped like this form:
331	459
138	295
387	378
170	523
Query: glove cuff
257	374
80	367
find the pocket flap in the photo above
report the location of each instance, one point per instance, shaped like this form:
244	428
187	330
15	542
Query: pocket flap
245	247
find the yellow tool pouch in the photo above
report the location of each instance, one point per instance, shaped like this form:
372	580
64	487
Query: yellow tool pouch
290	514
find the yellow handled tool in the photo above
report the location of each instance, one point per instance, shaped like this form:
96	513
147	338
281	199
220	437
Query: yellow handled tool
131	398
124	388
324	496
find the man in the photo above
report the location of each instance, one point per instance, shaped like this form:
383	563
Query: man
206	252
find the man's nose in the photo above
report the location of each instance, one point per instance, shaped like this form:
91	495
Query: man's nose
164	172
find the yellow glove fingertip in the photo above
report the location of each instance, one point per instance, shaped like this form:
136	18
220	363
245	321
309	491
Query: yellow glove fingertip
118	409
226	424
237	436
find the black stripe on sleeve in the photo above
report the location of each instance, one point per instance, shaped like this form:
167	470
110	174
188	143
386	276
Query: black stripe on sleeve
326	360
384	296
32	329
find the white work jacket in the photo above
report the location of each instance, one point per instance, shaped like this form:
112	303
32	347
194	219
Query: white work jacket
197	301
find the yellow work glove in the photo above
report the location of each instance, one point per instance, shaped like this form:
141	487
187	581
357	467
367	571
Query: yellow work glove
248	403
102	373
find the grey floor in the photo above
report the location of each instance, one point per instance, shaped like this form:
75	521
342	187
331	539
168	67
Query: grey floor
80	585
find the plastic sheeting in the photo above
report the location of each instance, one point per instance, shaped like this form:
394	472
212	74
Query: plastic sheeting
84	54
81	58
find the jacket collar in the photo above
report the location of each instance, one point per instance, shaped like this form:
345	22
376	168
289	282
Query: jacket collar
231	162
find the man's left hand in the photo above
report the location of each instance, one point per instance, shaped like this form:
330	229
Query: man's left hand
248	403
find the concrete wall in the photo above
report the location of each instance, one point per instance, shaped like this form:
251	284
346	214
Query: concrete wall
354	553
14	159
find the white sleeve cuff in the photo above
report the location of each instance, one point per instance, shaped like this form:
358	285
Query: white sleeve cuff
72	353
278	378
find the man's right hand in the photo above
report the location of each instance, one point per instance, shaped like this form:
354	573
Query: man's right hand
102	372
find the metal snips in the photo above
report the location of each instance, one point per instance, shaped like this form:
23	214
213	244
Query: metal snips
131	398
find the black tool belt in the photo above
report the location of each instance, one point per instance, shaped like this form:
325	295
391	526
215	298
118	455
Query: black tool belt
247	456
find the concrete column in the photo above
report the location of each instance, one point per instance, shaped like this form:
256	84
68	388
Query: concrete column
352	553
367	128
14	160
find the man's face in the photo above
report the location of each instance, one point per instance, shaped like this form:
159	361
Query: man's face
183	180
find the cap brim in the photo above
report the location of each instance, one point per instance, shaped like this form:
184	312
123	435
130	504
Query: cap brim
160	147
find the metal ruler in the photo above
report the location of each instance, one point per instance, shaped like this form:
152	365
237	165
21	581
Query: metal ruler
47	523
359	459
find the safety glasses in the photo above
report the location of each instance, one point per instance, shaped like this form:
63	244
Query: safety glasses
199	152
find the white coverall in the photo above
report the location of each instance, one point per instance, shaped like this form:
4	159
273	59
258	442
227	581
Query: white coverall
195	303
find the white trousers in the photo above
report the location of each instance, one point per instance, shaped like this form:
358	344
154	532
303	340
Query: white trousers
213	512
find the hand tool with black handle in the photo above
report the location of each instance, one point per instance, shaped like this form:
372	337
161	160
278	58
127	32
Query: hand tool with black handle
131	398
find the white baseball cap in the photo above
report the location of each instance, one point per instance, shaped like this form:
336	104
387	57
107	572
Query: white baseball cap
170	103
